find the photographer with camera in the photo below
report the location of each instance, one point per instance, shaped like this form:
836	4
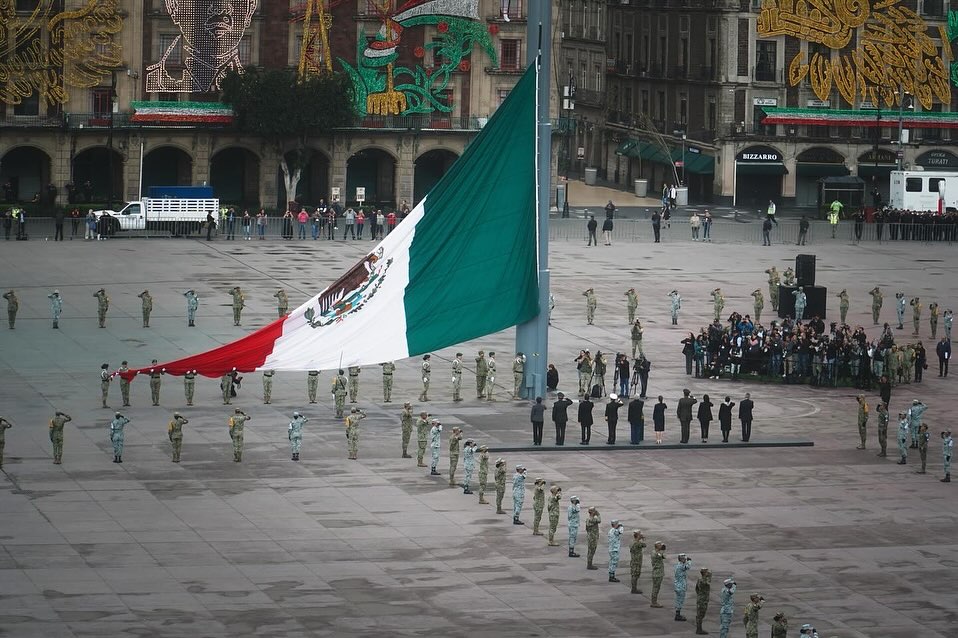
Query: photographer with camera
620	377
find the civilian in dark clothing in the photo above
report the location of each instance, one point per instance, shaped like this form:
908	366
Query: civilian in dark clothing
943	349
921	362
705	417
552	378
688	349
58	218
560	417
607	231
210	226
745	416
612	416
585	419
684	413
658	419
623	374
636	421
642	366
884	389
538	418
592	226
656	225
725	418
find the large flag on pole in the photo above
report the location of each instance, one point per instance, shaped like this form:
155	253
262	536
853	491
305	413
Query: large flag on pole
460	266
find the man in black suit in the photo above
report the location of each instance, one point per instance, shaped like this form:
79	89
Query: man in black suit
745	416
560	417
684	413
585	419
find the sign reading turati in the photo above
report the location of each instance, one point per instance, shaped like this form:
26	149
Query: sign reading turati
210	34
80	54
877	47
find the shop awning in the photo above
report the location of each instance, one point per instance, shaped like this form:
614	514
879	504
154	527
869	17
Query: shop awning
626	147
695	163
815	169
882	171
760	168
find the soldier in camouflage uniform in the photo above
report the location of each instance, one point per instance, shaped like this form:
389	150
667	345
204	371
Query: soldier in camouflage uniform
947	450
117	437
590	304
105	379
572	516
435	433
555	497
268	386
282	302
56	307
426	376
727	598
295	434
538	504
405	420
916	315
457	377
124	383
352	431
354	383
239	302
751	615
192	303
226	385
482	370
468	464
147	303
718	303
788	277
883	428
237	425
422	433
923	447
877	300
780	625
843	304
862	420
518	375
388	369
483	473
680	584
56	434
102	306
615	543
635	562
189	385
908	363
592	536
339	393
658	571
702	590
13	305
518	493
500	484
636	337
4	425
454	444
934	311
175	434
758	305
312	384
632	303
155	375
773	282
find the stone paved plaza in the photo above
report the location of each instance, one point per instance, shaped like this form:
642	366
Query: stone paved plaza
854	544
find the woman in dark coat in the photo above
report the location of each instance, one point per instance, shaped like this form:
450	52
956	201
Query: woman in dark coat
705	416
725	418
658	419
637	421
552	378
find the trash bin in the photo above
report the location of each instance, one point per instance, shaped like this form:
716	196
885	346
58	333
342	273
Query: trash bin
591	174
682	196
641	187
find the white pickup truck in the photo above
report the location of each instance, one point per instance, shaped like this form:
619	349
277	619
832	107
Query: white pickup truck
175	216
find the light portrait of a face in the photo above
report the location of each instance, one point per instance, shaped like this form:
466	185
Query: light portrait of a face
212	28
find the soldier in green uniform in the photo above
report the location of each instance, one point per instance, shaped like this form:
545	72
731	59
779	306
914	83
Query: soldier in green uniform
877	300
538	504
635	562
175	433
555	497
147	306
295	434
727	598
352	431
751	615
312	384
124	383
843	304
903	425
718	303
923	447
226	386
189	384
658	571
102	306
491	377
891	365
482	370
237	425
483	473
239	302
908	363
758	305
590	304
268	386
632	302
426	374
339	393
500	484
155	375
435	438
947	450
56	307
457	377
636	338
13	305
916	315
4	425
406	420
518	375
592	521
780	625
948	319
454	444
468	464
282	302
422	434
572	521
934	311
788	277
388	369
773	281
883	428
56	434
105	378
192	303
702	590
354	383
862	420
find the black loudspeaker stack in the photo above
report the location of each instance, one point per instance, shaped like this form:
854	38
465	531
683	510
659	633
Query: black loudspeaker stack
805	270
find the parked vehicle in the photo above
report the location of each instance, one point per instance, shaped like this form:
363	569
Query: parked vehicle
175	216
924	190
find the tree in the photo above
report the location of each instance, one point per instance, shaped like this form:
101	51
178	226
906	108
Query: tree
283	107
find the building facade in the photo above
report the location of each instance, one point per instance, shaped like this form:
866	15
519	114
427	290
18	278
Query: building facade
101	101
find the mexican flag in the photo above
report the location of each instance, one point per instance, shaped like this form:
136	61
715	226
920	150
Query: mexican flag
460	266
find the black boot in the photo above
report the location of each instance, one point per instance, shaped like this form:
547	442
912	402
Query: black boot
679	617
698	629
947	478
115	458
119	459
612	578
516	521
902	462
433	472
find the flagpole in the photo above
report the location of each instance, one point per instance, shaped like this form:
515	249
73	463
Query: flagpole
532	337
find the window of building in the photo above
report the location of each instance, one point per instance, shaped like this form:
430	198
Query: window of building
934	184
913	184
710	115
765	60
627	53
509	51
627	95
934	8
27	5
176	54
598	75
663	50
101	101
683	110
502	94
645	102
29	105
371	7
511	8
246	50
660	114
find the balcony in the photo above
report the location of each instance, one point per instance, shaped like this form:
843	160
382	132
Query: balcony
680	72
420	123
589	97
31	121
590	34
620	67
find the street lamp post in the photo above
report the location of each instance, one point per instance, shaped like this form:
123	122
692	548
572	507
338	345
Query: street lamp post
683	159
900	155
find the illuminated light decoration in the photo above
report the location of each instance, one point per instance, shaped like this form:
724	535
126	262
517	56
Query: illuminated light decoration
181	113
314	53
210	35
81	54
866	118
894	52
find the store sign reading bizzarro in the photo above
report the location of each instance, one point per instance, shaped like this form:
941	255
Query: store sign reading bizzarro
759	154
